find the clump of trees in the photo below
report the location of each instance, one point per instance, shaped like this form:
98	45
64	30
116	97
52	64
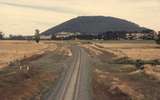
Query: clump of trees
158	38
139	64
1	35
37	36
16	37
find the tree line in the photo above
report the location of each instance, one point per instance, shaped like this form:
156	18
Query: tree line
101	36
36	37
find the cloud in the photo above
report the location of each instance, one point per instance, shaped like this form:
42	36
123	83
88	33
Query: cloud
46	8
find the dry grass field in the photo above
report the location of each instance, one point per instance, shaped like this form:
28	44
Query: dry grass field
134	51
13	50
33	77
124	81
111	80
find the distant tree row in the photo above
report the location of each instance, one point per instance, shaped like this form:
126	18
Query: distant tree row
16	37
110	35
158	38
36	36
1	35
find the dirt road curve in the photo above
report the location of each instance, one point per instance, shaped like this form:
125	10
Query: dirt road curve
75	82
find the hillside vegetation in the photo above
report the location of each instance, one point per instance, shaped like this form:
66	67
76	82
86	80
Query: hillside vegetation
94	25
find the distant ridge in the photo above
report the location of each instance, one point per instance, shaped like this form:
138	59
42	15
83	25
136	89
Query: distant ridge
94	25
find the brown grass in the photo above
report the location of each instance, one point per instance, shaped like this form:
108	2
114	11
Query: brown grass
113	88
12	50
124	82
35	83
152	72
134	51
24	84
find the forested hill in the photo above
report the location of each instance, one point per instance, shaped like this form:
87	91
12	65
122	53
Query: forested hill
94	25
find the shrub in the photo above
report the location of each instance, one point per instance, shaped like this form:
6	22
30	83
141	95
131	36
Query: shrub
139	64
158	39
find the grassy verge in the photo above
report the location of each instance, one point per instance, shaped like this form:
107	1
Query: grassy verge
32	79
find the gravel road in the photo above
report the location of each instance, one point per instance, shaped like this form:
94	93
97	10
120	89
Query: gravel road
75	80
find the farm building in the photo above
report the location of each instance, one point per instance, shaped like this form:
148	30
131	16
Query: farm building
45	37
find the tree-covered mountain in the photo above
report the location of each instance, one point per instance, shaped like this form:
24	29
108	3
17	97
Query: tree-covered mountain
94	25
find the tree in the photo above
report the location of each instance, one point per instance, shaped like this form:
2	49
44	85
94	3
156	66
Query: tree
37	36
1	35
16	37
53	37
158	39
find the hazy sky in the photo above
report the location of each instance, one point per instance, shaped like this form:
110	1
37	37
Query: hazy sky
23	16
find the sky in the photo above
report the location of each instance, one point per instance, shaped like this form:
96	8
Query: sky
22	17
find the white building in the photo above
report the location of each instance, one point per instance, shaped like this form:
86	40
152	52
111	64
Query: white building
45	37
64	34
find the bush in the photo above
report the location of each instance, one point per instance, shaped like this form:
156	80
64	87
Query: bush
123	60
158	39
1	35
139	64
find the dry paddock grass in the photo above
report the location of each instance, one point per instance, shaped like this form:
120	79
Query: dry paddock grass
45	65
141	51
13	50
113	81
